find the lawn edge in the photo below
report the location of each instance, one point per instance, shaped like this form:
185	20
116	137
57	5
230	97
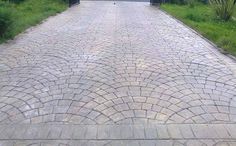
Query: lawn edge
219	49
27	30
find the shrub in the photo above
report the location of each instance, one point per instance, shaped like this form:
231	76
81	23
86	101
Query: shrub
13	1
6	20
16	1
202	1
191	3
223	8
178	1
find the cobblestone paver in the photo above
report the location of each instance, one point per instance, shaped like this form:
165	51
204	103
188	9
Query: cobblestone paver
126	63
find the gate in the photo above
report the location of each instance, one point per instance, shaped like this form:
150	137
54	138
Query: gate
153	2
73	2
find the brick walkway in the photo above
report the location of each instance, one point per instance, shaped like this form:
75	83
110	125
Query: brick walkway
123	74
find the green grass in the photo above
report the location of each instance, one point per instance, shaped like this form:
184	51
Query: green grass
202	19
30	13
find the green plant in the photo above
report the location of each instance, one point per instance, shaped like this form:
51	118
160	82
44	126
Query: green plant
195	17
178	2
223	8
6	20
191	3
203	1
13	1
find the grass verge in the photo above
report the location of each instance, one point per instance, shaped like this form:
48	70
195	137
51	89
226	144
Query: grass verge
202	18
28	13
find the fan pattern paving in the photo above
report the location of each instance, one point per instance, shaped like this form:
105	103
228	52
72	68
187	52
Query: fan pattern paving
127	63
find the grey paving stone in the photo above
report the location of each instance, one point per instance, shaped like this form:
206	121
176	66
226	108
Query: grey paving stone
162	132
186	131
67	132
55	132
174	132
79	132
139	132
151	132
204	131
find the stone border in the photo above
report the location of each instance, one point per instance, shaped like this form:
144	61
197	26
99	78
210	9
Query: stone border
118	132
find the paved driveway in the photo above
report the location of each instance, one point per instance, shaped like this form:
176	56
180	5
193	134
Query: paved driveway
115	74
